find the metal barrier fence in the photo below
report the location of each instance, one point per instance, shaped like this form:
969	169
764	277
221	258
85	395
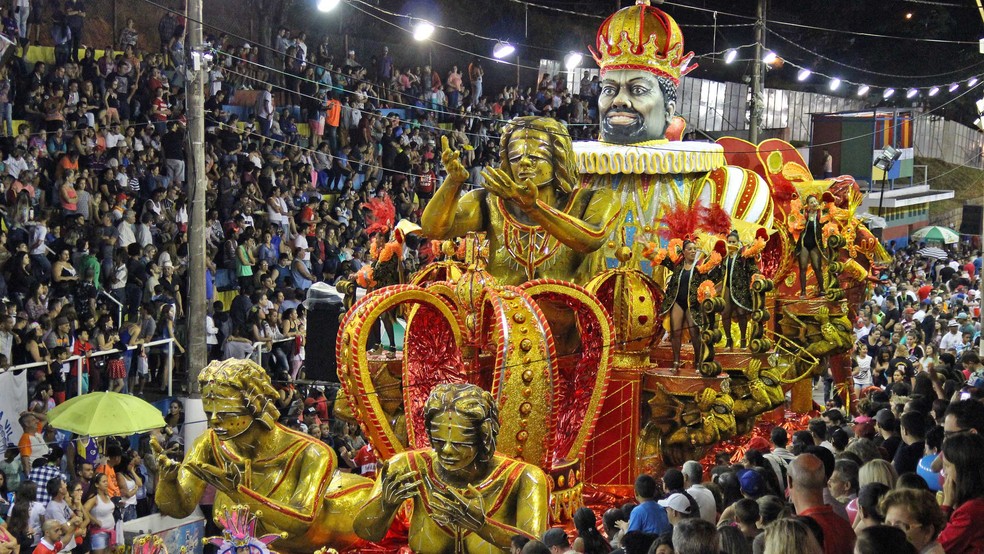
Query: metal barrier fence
79	360
257	354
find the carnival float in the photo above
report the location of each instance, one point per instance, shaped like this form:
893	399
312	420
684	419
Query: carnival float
598	310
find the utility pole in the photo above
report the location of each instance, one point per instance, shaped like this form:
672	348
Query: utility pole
756	107
197	349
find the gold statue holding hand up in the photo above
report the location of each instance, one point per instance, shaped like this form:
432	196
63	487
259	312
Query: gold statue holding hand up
537	221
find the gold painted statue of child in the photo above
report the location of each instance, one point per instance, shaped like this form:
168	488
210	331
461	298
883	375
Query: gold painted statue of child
538	221
466	498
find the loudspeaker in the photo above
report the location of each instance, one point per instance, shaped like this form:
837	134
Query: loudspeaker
324	308
970	222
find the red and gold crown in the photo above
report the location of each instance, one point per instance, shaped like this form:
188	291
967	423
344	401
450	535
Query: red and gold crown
642	37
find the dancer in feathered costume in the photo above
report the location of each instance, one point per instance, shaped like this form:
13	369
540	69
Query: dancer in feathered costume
680	226
740	267
806	225
386	267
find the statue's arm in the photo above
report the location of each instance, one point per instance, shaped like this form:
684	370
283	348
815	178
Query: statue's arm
581	235
178	489
376	515
447	216
296	515
532	511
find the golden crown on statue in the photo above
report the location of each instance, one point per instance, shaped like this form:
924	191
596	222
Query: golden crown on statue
645	38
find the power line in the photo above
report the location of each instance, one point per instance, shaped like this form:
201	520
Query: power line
455	48
868	71
941	4
870	35
770	21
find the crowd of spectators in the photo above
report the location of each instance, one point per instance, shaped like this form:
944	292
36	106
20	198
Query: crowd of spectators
93	250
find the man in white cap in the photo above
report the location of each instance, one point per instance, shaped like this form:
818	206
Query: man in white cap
951	340
677	507
350	60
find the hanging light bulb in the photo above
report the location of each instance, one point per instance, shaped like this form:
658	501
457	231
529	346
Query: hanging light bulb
730	55
863	90
953	87
328	5
572	60
502	49
835	83
972	82
888	93
769	58
804	74
422	30
934	91
911	93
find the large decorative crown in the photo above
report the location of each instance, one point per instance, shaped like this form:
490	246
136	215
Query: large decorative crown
642	37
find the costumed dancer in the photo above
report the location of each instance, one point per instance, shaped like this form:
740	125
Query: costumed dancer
806	226
386	267
736	288
680	302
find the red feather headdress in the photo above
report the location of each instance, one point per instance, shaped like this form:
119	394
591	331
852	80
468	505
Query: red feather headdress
382	215
683	222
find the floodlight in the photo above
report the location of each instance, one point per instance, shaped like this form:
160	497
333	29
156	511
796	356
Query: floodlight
502	49
572	60
422	30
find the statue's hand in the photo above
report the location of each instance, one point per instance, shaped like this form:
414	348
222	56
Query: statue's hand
225	479
460	508
499	183
167	468
398	487
452	162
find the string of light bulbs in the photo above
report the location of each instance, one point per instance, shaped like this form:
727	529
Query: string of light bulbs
835	82
869	71
752	18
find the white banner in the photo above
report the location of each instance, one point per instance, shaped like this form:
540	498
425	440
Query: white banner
13	401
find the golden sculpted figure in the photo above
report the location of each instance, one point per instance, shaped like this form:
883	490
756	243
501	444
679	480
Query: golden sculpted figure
715	421
465	497
537	221
254	461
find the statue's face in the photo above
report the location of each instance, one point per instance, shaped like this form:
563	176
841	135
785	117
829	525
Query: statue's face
454	440
631	107
226	411
531	157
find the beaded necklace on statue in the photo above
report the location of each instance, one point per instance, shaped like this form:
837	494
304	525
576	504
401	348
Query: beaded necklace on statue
531	247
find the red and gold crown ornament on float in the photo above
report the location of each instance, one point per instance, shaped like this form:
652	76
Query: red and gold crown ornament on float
645	38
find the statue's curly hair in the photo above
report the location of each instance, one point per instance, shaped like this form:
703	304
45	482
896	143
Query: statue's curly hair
251	380
474	404
565	166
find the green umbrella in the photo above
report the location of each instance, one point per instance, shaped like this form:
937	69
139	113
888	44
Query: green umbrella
103	414
937	233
